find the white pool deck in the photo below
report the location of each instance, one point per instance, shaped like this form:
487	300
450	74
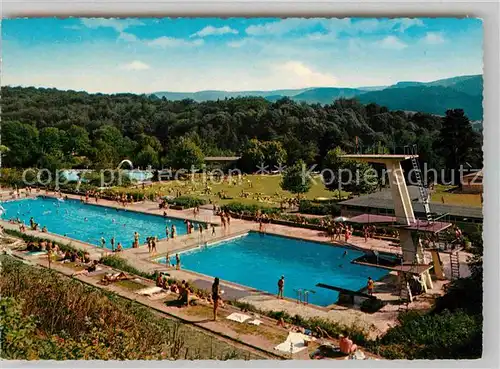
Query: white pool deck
141	259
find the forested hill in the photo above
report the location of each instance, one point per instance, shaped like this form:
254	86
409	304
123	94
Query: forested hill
52	128
430	97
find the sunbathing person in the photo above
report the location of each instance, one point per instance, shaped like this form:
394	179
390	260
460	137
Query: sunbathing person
91	268
347	346
109	278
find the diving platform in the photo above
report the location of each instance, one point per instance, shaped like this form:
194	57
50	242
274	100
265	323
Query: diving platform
405	216
378	158
413	269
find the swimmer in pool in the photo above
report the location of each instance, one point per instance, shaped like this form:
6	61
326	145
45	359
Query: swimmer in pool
85	219
345	254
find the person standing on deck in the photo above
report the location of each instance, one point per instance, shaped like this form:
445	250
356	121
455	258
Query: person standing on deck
153	244
112	244
370	284
136	239
216	296
178	262
173	231
213	229
281	286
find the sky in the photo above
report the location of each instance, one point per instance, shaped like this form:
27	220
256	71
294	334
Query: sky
144	55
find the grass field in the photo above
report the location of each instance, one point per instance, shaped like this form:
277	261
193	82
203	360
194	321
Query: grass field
263	190
450	198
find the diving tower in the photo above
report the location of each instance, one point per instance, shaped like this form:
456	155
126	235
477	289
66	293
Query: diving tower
405	221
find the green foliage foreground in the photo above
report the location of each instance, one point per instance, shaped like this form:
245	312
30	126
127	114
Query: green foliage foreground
46	316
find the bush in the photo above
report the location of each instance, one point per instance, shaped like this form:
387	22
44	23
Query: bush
447	335
117	262
321	208
249	210
187	201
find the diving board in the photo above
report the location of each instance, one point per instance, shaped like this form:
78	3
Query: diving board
346	291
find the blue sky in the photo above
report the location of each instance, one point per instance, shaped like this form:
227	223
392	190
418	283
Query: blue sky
191	54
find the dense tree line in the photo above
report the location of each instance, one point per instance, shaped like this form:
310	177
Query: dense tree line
54	129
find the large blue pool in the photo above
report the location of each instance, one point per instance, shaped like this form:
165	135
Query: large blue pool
88	223
258	261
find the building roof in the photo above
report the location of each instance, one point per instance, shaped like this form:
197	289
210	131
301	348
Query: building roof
383	200
478	174
222	158
372	218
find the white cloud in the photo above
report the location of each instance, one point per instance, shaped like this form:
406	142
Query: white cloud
73	27
433	38
392	42
278	28
165	41
318	36
334	25
212	31
128	37
135	65
119	25
402	24
295	74
237	44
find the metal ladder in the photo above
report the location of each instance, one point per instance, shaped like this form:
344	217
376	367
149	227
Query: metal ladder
424	194
454	265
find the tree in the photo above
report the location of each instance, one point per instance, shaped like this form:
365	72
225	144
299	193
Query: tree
457	143
52	160
77	141
50	139
147	156
252	155
185	155
274	153
296	180
22	140
348	175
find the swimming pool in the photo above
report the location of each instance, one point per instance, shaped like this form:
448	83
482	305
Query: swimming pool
258	261
88	223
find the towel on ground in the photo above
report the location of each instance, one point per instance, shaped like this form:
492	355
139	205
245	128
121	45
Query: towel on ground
238	317
294	343
36	253
255	322
357	355
149	290
158	296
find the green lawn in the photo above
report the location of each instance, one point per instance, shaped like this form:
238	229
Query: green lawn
263	190
464	199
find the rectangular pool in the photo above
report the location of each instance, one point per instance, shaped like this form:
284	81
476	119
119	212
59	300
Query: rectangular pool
88	223
258	261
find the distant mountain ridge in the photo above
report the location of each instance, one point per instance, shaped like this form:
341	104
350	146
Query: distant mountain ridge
435	97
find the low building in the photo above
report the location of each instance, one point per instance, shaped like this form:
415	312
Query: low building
473	182
381	203
221	162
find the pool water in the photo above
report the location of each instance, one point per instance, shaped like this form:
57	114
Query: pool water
67	218
258	261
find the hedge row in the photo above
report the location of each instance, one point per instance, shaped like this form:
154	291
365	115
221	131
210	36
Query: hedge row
187	201
319	208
